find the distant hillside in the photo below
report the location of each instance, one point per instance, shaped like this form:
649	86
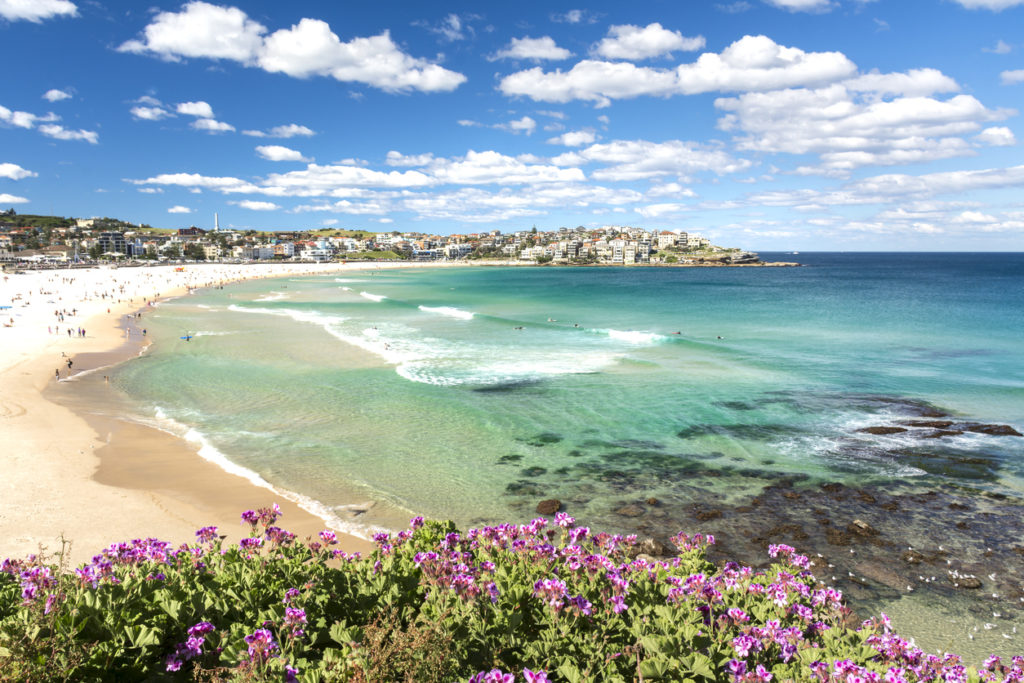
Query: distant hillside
354	234
26	220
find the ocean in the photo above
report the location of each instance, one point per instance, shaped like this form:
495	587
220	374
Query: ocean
647	400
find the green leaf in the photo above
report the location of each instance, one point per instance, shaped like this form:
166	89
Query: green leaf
570	672
172	607
702	666
342	635
654	668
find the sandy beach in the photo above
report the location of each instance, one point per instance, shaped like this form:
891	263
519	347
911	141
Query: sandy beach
72	473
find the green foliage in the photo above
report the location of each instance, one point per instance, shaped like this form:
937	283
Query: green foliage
26	220
354	234
194	251
373	256
428	605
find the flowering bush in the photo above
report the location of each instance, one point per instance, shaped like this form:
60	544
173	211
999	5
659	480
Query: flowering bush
506	603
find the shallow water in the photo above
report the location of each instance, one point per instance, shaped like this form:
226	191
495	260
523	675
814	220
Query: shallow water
474	393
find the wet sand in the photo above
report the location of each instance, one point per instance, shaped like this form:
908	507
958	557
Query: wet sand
73	470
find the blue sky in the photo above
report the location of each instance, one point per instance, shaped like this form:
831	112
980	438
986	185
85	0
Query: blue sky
765	124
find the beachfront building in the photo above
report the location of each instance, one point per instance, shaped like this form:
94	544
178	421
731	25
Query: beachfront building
667	239
427	254
113	243
457	251
531	253
320	252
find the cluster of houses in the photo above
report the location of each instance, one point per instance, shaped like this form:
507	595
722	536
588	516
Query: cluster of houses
85	240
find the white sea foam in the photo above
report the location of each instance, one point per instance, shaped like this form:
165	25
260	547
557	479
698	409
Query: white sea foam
346	289
444	362
273	296
203	333
301	316
631	337
372	297
485	370
348	279
84	373
449	311
329	323
209	452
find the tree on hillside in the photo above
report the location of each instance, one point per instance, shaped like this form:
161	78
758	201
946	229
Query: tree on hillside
195	252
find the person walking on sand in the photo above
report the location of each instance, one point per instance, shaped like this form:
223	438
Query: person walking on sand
56	374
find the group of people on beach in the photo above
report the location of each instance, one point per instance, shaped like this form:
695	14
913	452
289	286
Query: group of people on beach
76	332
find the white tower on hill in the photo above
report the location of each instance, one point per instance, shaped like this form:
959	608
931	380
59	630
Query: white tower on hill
216	223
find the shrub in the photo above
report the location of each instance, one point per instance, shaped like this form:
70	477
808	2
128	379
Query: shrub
536	602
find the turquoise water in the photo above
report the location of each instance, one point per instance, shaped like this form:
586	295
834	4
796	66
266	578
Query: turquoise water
473	393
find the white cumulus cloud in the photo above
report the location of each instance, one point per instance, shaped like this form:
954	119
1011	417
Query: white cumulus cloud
531	48
61	133
289	130
179	209
996	5
200	109
524	125
802	5
280	153
56	95
15	172
19	119
212	126
633	42
752	63
850	125
1012	77
395	158
626	160
150	113
660	210
997	136
573	138
201	30
36	10
309	48
11	199
256	206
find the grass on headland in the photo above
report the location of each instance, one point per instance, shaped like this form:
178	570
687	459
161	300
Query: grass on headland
536	602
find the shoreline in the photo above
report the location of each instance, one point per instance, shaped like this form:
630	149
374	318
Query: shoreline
94	479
